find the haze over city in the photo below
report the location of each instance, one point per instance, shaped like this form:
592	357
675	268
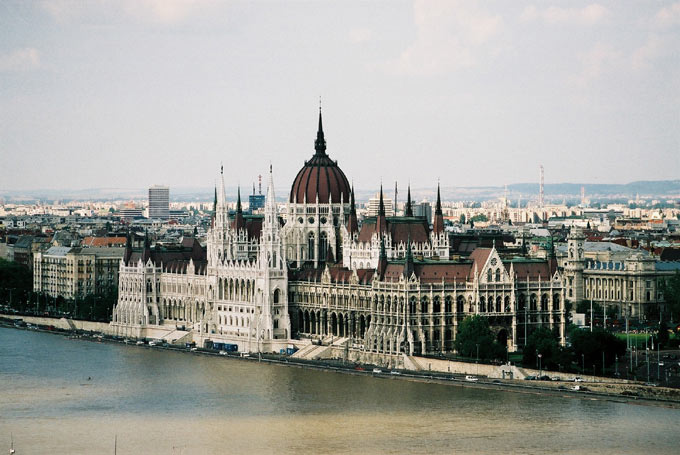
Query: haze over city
130	93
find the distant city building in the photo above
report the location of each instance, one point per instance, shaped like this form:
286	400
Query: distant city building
131	213
423	210
374	203
256	202
159	202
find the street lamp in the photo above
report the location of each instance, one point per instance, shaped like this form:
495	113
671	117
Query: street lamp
477	358
583	363
540	369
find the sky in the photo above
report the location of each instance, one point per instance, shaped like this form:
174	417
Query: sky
131	93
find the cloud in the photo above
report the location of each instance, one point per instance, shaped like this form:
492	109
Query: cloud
164	12
588	15
449	35
669	16
360	35
595	62
20	60
643	56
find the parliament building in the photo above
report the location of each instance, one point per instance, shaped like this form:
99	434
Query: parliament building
311	272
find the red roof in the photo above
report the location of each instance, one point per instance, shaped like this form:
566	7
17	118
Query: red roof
103	241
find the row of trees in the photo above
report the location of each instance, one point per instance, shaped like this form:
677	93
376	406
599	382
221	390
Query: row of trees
475	339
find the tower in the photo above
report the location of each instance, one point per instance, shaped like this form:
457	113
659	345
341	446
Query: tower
575	265
273	320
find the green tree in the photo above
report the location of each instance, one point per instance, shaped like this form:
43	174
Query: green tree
473	333
480	217
662	337
671	295
589	346
545	342
16	282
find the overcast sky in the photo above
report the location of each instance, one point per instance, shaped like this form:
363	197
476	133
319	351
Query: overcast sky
131	93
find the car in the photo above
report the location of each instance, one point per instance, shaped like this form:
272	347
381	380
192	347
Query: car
556	378
223	352
394	372
471	378
576	388
377	370
139	343
544	378
578	379
194	349
245	354
661	364
530	378
153	343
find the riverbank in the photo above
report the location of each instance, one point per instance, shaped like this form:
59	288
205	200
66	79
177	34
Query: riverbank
628	392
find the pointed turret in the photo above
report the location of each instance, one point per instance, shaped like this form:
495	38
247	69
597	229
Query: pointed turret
352	222
381	222
408	211
146	254
239	222
128	247
438	225
320	142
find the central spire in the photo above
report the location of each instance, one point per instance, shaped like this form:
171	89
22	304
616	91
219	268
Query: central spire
320	143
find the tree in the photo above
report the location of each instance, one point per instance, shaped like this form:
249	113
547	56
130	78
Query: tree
545	342
662	337
589	346
480	217
474	333
462	218
671	294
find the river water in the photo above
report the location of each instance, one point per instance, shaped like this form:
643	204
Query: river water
164	402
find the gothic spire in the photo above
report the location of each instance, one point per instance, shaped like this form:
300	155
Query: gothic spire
238	201
320	143
438	224
409	205
352	222
381	207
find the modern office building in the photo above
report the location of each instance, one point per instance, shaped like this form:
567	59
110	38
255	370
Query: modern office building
159	202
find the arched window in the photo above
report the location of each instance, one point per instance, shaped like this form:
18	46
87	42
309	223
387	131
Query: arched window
489	275
323	246
310	246
498	275
276	295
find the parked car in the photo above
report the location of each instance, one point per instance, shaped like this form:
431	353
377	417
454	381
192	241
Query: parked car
377	370
470	378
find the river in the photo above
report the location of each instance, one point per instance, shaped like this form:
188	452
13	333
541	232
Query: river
62	396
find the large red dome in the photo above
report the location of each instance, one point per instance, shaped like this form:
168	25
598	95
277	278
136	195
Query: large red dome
320	177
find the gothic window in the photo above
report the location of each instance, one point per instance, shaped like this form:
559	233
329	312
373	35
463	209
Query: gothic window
310	246
498	275
323	246
489	275
276	295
